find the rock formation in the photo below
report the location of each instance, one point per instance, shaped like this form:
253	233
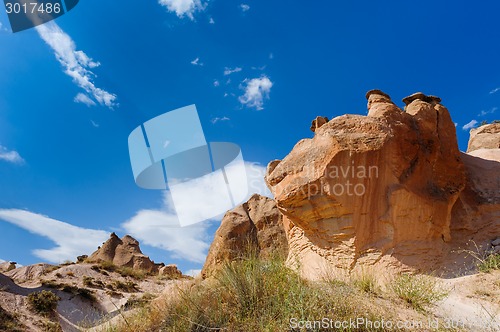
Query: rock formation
485	137
256	225
124	252
383	189
318	122
170	271
7	266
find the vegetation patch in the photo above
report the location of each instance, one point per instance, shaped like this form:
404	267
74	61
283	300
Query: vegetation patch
490	263
250	295
44	302
366	282
124	271
71	289
9	322
125	286
418	290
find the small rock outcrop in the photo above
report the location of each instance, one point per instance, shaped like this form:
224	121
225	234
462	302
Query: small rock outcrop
256	225
170	271
485	137
7	266
318	122
124	252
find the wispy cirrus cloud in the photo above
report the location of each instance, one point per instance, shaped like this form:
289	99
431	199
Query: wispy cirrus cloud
470	125
244	7
196	62
10	156
229	71
76	64
71	241
82	98
495	90
256	90
219	119
183	7
490	111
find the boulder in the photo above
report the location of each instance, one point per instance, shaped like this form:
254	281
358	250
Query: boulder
256	225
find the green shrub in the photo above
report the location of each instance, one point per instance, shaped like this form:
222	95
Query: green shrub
44	302
366	282
417	290
490	263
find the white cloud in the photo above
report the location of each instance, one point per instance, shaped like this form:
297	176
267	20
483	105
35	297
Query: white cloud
183	7
217	119
490	111
244	7
1	260
192	273
229	71
271	56
10	156
196	62
211	21
94	124
256	90
76	64
216	83
71	241
470	125
494	91
84	99
161	229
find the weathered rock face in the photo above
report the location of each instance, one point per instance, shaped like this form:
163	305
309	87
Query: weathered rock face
485	137
255	224
7	266
124	252
376	189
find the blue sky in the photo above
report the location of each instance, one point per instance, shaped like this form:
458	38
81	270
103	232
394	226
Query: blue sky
258	71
